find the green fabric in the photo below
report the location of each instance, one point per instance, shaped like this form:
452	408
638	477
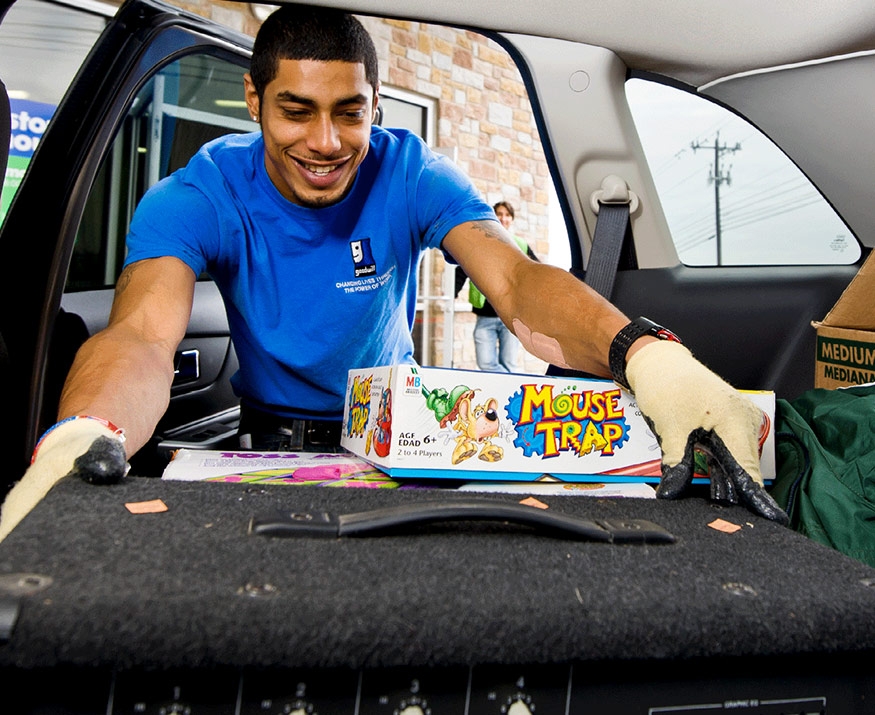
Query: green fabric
475	297
826	467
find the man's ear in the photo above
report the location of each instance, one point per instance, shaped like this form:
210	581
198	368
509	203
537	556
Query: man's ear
251	95
376	110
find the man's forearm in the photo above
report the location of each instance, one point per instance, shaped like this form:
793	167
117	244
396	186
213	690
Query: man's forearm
556	316
561	320
124	381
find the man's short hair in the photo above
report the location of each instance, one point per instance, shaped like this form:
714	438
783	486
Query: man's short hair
298	32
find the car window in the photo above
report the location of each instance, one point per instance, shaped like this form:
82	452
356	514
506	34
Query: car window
56	39
730	196
192	100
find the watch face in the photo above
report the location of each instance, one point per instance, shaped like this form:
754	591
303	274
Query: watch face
645	326
666	334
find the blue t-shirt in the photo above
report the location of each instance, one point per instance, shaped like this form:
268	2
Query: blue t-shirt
310	293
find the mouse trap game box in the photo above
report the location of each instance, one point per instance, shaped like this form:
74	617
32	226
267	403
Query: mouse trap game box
429	422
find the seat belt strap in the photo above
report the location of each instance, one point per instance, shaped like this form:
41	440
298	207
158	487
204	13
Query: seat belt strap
613	205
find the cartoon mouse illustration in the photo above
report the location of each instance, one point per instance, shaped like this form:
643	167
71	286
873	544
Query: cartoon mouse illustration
477	425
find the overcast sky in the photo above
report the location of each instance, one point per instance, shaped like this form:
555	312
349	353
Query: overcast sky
770	212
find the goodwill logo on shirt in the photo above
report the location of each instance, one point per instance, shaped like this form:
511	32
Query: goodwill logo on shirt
365	269
362	257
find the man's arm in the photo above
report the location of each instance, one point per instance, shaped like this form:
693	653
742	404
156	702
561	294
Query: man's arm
555	315
123	373
119	384
561	320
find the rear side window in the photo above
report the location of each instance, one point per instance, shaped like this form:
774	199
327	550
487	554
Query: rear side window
730	196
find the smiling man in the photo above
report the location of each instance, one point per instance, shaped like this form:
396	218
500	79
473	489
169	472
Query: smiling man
313	229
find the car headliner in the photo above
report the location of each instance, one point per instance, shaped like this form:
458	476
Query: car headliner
691	41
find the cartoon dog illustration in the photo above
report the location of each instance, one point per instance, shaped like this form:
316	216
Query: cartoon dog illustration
477	425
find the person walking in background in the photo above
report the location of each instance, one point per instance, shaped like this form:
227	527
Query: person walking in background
496	348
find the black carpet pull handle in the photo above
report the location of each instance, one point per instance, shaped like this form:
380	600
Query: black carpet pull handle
378	522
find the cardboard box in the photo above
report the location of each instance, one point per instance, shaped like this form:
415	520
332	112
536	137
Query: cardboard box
427	422
846	336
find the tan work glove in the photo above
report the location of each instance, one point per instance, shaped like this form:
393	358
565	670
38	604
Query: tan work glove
81	446
689	407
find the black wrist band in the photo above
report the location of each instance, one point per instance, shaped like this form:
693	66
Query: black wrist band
623	341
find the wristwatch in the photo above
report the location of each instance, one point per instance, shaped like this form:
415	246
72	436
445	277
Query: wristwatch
623	341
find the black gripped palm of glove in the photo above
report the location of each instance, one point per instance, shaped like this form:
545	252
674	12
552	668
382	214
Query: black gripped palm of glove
87	448
690	409
105	462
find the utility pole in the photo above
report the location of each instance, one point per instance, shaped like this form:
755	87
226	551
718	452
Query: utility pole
719	177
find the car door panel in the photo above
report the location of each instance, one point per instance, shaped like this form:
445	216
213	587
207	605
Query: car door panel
750	325
205	359
138	42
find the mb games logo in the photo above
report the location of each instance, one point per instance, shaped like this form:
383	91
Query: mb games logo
412	382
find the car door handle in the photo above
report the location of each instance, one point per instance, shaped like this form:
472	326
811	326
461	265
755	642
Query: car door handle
186	366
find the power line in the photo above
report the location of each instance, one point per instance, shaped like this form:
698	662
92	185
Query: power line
732	221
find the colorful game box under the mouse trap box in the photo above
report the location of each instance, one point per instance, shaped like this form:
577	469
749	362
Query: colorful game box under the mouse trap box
430	422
